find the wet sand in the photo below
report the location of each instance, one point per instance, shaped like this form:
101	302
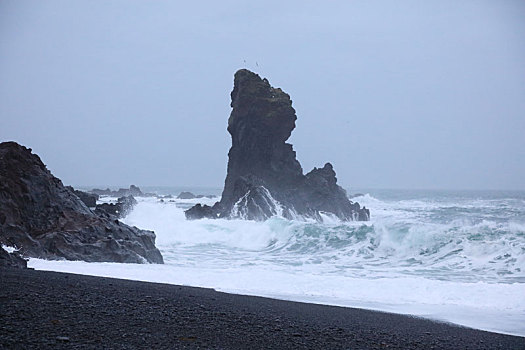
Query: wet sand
51	310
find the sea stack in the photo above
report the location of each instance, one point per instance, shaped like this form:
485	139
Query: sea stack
264	178
43	219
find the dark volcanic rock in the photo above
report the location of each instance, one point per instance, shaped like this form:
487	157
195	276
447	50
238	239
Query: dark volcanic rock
264	177
199	211
12	259
46	220
89	199
120	209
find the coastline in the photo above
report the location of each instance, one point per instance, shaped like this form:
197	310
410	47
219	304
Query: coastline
42	309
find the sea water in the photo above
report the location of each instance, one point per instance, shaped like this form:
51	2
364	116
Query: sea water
454	256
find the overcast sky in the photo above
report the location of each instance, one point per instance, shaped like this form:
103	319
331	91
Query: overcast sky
395	94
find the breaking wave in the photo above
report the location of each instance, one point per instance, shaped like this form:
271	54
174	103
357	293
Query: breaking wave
447	241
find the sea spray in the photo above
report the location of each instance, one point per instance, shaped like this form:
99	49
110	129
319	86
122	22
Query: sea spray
406	243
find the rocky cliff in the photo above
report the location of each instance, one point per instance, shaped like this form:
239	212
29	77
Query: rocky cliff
264	177
46	220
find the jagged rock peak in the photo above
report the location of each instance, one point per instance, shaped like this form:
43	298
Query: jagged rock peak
264	110
264	177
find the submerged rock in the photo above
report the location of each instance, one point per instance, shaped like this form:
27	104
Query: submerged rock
264	177
46	220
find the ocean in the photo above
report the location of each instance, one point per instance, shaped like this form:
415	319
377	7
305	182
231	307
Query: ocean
452	256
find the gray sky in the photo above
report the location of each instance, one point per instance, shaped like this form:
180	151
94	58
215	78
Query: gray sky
396	94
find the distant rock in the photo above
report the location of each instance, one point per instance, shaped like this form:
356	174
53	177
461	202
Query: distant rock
205	196
122	192
99	192
189	195
89	199
186	195
46	220
264	177
135	191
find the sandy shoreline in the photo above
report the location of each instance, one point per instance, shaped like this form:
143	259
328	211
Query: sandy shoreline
43	309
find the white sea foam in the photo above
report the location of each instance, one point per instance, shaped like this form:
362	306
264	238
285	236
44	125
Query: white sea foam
9	249
461	261
493	307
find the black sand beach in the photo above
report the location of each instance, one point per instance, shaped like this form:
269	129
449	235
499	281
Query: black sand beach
50	310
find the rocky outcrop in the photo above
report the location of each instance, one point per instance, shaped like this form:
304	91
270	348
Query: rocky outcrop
12	259
264	177
44	219
89	199
118	210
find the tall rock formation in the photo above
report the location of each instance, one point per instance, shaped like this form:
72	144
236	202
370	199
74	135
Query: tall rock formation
264	177
44	219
